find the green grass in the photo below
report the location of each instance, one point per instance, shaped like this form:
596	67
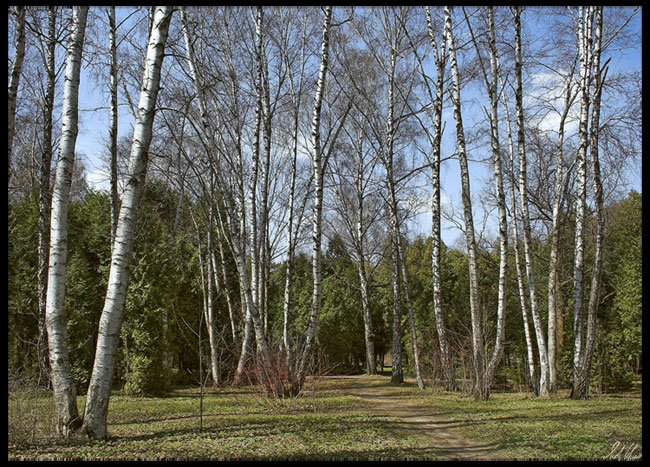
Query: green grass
520	426
327	424
236	424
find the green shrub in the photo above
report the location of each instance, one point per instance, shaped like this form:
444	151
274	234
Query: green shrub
146	377
81	378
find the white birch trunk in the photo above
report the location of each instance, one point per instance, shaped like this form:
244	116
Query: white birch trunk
369	336
318	203
247	320
45	202
14	80
210	319
99	389
228	293
286	306
480	389
525	217
397	370
237	244
254	231
65	392
436	244
263	228
554	264
497	352
580	389
257	255
584	24
115	200
409	308
359	243
515	232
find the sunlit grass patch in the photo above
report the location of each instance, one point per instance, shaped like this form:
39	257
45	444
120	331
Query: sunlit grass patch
521	426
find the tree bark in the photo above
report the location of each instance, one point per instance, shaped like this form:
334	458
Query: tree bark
210	318
99	389
369	335
554	263
254	230
409	308
515	233
436	244
497	352
65	392
45	200
225	286
14	80
397	371
359	243
525	217
582	374
480	390
115	199
306	354
584	25
247	286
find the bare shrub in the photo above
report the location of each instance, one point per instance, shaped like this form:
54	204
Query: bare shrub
30	411
279	381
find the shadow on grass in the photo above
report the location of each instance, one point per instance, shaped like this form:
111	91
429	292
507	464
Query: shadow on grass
321	436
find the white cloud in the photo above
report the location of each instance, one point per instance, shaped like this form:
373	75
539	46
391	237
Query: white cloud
550	89
98	180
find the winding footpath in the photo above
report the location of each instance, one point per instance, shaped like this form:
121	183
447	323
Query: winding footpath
384	400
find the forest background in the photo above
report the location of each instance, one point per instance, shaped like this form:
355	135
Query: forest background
254	75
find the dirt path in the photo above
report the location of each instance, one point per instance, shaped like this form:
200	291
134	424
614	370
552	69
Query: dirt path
386	401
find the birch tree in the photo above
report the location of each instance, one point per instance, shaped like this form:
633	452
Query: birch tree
480	390
440	60
296	90
590	50
210	312
525	217
113	120
491	84
358	209
65	392
231	220
521	287
387	47
356	205
257	230
433	132
14	80
211	273
583	25
291	36
386	151
554	264
44	202
99	389
318	201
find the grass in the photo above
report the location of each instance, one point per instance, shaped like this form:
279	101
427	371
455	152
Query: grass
328	424
555	428
237	424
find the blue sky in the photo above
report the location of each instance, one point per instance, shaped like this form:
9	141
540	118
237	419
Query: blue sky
94	133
